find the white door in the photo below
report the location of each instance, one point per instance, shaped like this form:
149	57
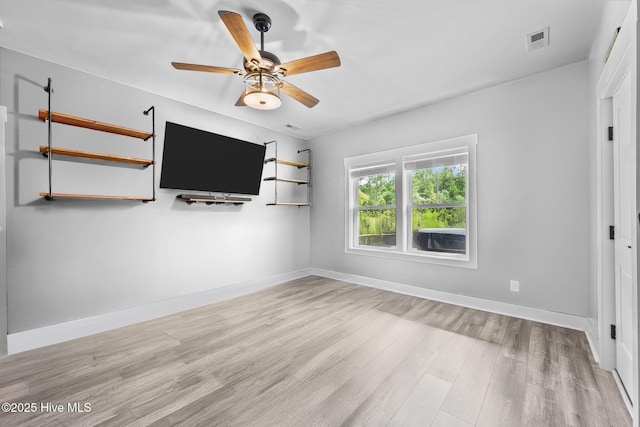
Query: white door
624	217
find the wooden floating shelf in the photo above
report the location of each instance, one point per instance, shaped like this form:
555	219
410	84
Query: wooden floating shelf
295	181
288	162
92	124
97	156
289	204
94	196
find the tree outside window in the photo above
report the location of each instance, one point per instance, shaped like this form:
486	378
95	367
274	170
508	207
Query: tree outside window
377	209
438	207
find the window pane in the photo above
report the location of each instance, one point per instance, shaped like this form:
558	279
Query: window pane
377	190
377	227
444	184
452	184
439	229
424	186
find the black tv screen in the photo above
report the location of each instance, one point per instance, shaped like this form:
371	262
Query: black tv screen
195	159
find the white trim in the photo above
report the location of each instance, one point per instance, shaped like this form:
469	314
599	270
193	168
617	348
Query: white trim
604	246
53	334
622	391
522	312
593	341
3	234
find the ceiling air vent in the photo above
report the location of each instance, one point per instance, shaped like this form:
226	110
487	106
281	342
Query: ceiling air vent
538	39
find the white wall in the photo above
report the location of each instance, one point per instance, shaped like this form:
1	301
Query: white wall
533	201
73	259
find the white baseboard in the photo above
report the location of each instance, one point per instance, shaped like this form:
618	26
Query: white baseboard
623	392
47	335
592	338
536	314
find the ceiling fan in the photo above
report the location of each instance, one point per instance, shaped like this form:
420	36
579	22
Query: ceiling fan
263	71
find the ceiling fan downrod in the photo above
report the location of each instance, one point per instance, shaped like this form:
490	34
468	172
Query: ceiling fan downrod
262	22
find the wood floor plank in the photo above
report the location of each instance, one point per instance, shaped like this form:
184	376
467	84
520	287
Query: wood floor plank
495	328
502	404
308	377
317	351
422	405
336	408
390	395
610	397
516	341
469	388
13	392
542	407
447	420
542	361
317	385
452	358
579	390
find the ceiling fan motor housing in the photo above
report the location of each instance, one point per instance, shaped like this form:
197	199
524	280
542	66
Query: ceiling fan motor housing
262	22
270	63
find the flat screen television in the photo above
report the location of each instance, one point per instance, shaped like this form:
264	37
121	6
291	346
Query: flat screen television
195	159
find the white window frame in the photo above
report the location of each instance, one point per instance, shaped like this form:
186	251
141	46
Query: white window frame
400	158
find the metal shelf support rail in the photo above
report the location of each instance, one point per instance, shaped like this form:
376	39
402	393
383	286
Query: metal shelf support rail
49	90
275	166
308	150
152	109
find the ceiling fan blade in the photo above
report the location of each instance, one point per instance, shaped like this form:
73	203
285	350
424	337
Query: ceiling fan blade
311	63
207	68
240	101
240	33
299	95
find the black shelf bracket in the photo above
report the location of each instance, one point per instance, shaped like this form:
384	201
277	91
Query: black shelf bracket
152	110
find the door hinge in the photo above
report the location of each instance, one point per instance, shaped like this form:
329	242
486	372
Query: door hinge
613	332
612	232
610	133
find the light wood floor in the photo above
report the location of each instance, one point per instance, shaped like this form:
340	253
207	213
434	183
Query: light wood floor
318	352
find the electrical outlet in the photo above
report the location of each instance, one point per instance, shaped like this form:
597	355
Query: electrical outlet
515	286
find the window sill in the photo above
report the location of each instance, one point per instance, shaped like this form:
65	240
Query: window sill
450	260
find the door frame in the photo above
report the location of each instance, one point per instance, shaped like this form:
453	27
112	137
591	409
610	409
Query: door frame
621	61
3	238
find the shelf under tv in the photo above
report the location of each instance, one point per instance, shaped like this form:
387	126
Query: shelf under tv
210	200
289	204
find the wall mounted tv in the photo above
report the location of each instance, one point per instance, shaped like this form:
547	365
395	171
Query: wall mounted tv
195	159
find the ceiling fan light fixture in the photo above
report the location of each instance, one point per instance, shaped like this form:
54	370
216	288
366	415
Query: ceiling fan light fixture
262	91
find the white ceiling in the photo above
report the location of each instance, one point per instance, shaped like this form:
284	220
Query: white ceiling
396	55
